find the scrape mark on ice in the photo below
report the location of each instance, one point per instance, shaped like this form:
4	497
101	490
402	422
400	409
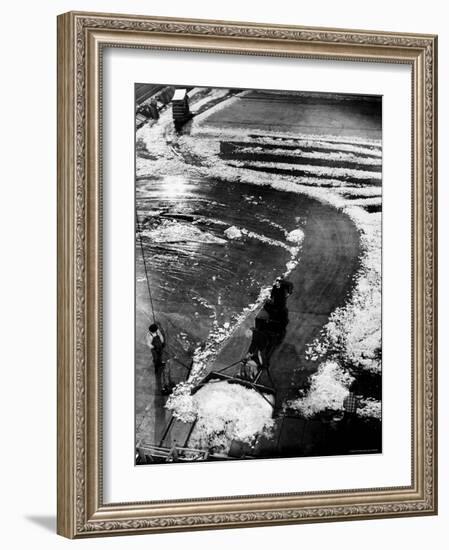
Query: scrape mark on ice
274	224
173	231
296	236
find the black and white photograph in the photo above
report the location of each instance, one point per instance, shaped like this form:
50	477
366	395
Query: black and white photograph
258	282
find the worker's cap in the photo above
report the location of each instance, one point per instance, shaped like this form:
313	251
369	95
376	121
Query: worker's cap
152	328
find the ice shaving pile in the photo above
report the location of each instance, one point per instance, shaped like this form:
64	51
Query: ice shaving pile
223	412
328	389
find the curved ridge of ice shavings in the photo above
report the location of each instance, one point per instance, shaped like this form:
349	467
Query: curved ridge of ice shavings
198	121
214	94
353	331
331	155
330	171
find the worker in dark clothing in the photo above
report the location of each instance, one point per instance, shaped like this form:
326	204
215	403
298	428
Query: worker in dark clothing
153	109
156	343
350	404
287	285
349	420
280	292
250	365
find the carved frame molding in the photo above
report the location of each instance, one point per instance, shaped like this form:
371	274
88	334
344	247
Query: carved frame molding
81	38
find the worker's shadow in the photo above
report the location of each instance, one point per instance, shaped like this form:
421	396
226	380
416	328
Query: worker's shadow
46	522
159	404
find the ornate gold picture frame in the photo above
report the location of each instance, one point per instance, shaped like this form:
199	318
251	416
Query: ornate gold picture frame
82	38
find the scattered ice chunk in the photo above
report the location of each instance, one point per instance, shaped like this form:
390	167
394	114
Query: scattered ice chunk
296	236
291	265
233	232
